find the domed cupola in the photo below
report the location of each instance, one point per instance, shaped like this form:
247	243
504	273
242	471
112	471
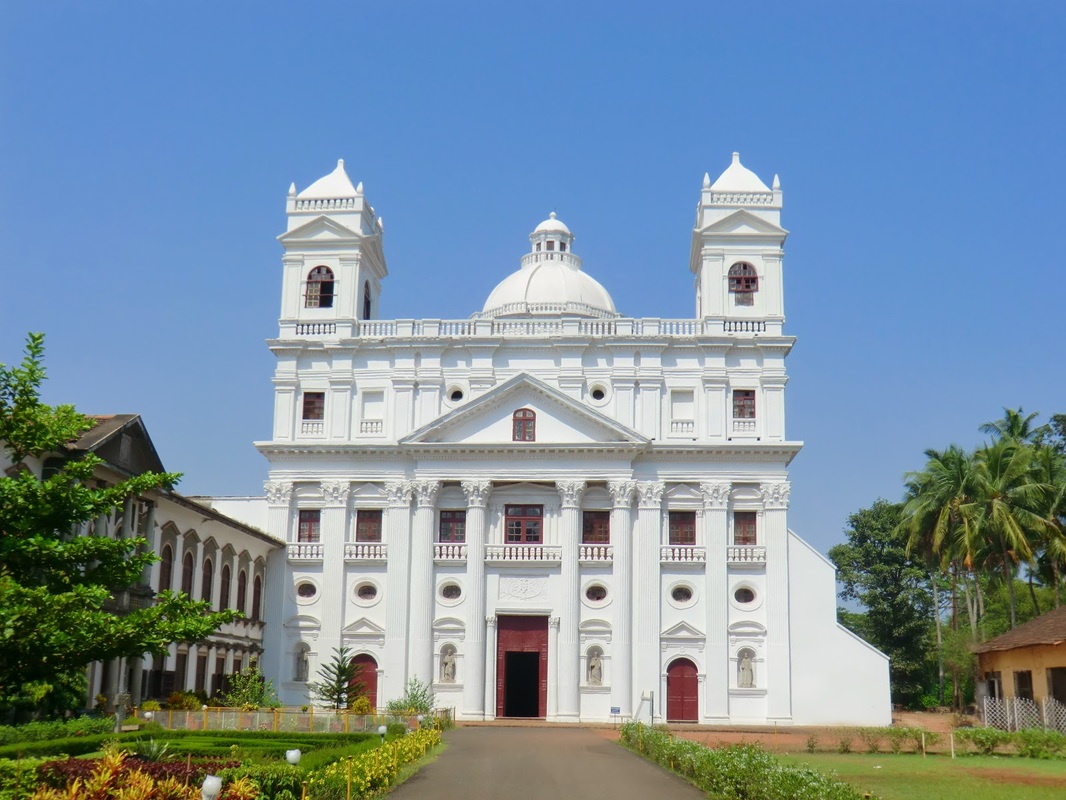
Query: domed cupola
550	281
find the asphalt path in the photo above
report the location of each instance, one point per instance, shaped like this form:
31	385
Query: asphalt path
537	764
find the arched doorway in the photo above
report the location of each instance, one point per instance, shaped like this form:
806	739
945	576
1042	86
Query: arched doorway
368	674
682	692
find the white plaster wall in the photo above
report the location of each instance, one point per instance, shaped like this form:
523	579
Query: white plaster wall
838	679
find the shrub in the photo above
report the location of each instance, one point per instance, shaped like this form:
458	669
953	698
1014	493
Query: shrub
374	770
271	779
984	740
184	701
812	743
844	739
18	777
1035	743
151	705
738	771
872	738
896	737
417	699
56	729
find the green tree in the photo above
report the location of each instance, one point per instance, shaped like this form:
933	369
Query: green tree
55	581
340	686
417	699
249	688
874	568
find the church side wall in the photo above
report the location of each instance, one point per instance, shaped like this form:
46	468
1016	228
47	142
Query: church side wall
837	678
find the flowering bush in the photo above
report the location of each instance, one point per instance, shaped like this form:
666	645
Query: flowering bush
372	770
740	771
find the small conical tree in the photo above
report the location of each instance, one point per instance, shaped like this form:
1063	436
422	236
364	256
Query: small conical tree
340	685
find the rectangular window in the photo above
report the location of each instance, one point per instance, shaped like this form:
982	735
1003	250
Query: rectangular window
310	522
551	245
368	525
1023	684
452	526
524	524
683	528
314	405
596	527
743	404
744	527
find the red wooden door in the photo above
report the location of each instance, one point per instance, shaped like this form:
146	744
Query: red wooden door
368	674
682	692
522	635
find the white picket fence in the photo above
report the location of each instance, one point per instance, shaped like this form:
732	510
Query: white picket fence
1018	713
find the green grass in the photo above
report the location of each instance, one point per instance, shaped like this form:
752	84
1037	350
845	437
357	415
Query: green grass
911	777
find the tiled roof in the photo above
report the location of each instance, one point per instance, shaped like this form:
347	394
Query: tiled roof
1049	628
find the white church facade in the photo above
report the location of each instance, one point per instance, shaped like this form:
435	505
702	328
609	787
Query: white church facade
548	509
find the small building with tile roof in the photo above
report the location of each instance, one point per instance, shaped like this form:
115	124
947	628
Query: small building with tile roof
1028	661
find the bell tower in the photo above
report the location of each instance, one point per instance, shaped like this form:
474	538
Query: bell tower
334	262
737	248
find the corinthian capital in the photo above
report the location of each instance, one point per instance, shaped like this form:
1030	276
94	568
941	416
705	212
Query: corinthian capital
336	493
477	493
399	493
650	494
622	492
427	492
715	493
278	493
775	495
570	493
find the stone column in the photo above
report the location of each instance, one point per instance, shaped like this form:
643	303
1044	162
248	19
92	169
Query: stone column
646	614
716	593
397	535
554	657
333	535
423	600
490	667
127	517
569	658
622	636
190	667
150	574
209	673
136	665
198	571
477	495
773	531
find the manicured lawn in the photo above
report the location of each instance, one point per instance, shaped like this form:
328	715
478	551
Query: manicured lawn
911	777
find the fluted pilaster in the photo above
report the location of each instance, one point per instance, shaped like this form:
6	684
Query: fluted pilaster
647	614
477	495
715	531
397	535
422	586
570	494
622	493
774	531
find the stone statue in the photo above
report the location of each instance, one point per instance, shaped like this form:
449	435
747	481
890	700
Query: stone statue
746	671
595	670
447	667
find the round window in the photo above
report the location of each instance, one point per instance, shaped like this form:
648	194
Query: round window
367	591
681	594
744	595
456	395
306	591
596	593
598	393
451	592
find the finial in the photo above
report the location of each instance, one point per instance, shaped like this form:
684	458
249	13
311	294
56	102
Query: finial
359	188
292	189
381	223
706	181
340	163
777	182
551	215
736	157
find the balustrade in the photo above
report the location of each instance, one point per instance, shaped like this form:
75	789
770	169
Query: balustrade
365	551
372	426
745	554
523	552
305	551
312	428
683	554
449	552
596	552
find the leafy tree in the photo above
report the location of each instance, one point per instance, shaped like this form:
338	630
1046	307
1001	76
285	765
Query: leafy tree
340	685
55	579
417	699
874	568
249	688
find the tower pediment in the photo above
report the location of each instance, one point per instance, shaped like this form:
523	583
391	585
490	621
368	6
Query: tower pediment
320	230
560	420
743	221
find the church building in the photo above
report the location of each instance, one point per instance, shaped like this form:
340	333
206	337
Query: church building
549	509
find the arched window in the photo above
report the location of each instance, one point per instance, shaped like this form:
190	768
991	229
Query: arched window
186	575
223	589
301	667
366	300
743	283
209	576
242	589
257	599
166	568
319	288
524	427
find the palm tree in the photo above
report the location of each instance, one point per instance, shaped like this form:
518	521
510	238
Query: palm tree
1015	426
1050	468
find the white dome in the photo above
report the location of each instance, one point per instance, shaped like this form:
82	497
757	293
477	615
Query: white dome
549	287
738	178
552	225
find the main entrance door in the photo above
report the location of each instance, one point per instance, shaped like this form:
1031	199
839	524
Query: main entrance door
522	667
368	674
682	692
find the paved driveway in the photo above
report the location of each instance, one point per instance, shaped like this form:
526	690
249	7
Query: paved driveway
538	764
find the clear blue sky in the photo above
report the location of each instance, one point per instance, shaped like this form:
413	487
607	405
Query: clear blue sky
147	149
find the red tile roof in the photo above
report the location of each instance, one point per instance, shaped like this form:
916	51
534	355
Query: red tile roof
1049	628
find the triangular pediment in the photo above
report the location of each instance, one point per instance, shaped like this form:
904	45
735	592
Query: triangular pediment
560	420
364	628
743	221
320	230
682	630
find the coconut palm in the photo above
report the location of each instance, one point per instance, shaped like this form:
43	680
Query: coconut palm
1015	426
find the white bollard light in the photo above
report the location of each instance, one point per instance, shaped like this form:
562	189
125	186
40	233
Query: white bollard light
212	787
293	757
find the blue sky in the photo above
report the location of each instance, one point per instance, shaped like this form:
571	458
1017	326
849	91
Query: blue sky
147	149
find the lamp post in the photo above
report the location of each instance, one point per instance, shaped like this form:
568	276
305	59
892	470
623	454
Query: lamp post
212	788
382	730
